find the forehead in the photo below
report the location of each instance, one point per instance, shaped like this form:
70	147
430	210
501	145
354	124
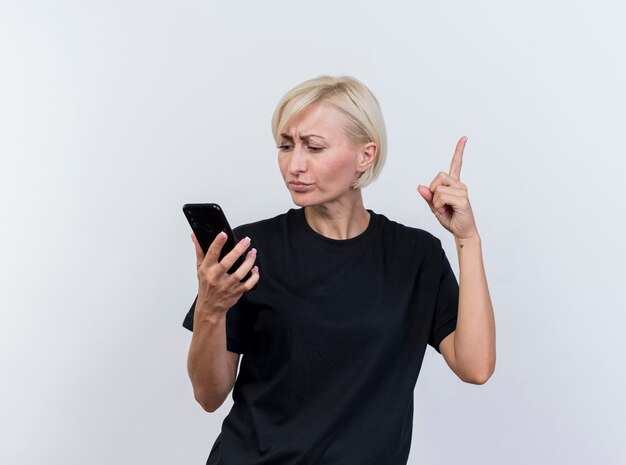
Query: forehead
320	118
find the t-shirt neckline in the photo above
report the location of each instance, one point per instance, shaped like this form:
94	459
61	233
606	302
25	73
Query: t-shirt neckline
336	245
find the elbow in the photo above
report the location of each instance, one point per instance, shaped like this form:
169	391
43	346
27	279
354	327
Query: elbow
477	378
479	375
206	403
208	407
210	399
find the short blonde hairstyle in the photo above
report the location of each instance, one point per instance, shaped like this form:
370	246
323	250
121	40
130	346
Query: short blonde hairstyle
364	119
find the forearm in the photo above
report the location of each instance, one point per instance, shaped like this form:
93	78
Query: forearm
210	373
475	334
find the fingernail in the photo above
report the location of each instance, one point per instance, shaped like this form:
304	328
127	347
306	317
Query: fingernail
222	235
246	240
252	252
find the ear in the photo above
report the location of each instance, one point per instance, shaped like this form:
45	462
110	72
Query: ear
367	156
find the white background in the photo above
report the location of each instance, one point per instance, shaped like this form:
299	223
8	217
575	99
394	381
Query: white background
114	114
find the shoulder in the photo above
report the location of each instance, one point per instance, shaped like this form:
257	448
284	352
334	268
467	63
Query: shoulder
408	236
264	227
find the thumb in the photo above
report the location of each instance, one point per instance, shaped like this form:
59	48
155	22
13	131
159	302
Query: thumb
425	193
428	196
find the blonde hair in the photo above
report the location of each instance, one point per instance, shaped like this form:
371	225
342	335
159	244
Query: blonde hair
364	119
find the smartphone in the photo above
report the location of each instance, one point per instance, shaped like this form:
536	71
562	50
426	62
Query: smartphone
207	220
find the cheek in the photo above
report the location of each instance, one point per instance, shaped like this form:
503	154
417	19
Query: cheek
342	168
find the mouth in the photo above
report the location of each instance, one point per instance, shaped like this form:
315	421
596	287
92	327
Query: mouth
299	186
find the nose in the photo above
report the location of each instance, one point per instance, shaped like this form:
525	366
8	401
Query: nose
297	161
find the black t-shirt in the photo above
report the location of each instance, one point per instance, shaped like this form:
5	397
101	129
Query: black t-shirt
333	340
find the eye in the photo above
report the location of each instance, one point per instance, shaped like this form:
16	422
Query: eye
315	149
284	147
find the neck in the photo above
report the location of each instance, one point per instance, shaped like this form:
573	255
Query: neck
343	219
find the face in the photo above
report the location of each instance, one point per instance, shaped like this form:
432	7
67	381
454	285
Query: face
317	159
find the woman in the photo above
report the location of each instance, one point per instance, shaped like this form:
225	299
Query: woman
345	301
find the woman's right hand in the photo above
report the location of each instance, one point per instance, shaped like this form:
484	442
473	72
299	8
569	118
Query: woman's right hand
219	291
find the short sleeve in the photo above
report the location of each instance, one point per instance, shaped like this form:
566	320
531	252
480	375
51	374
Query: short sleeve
447	304
237	327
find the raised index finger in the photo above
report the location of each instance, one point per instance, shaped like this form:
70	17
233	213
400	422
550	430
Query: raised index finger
457	159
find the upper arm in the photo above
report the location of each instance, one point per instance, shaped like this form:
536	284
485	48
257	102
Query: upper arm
446	347
446	296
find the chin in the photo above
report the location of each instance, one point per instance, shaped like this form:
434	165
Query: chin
304	200
311	199
301	202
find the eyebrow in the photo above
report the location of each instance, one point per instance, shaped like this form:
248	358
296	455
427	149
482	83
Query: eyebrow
304	137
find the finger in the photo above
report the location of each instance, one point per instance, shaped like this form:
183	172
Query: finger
231	257
252	280
455	189
425	192
457	159
428	196
442	179
450	198
213	253
246	266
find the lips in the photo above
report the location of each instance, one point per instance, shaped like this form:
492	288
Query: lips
299	186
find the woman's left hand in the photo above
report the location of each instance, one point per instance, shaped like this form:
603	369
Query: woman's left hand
447	198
